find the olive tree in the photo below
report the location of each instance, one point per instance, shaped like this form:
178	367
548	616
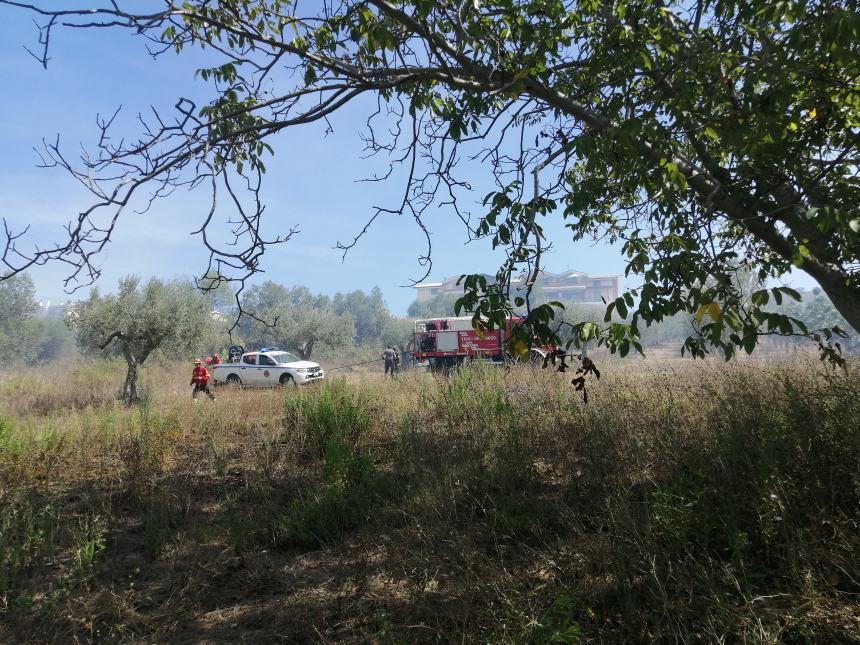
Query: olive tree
700	135
369	313
295	319
441	304
17	309
138	320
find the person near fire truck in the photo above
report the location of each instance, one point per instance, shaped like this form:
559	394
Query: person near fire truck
200	380
389	356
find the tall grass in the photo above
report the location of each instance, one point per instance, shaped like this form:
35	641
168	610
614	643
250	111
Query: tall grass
693	503
334	413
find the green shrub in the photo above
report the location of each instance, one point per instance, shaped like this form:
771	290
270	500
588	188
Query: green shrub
332	413
89	543
6	446
28	536
161	516
348	497
472	398
556	625
511	484
151	444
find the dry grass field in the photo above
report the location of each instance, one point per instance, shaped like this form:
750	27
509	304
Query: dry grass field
686	502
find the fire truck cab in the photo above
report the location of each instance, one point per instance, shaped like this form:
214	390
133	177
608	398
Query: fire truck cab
442	343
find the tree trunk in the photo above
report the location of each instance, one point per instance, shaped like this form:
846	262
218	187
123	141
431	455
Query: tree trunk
845	299
305	349
129	389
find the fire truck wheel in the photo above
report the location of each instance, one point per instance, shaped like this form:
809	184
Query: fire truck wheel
451	363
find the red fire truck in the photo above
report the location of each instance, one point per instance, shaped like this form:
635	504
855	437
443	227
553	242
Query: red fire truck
442	343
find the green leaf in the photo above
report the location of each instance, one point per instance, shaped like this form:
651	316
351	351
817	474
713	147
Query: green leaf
749	340
777	295
608	316
760	297
791	293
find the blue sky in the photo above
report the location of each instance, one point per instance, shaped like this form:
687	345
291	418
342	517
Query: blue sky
311	183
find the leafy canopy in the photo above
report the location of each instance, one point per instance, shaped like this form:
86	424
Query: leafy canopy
702	136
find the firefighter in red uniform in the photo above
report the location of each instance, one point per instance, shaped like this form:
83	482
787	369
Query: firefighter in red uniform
200	380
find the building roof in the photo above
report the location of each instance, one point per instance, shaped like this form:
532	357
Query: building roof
544	278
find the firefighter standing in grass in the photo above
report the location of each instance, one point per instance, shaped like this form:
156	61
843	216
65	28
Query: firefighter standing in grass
389	357
200	380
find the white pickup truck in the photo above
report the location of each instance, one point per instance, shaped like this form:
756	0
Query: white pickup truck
266	368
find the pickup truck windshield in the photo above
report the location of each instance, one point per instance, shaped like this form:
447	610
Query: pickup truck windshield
283	357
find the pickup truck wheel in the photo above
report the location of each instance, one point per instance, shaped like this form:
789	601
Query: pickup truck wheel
536	356
287	381
234	380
